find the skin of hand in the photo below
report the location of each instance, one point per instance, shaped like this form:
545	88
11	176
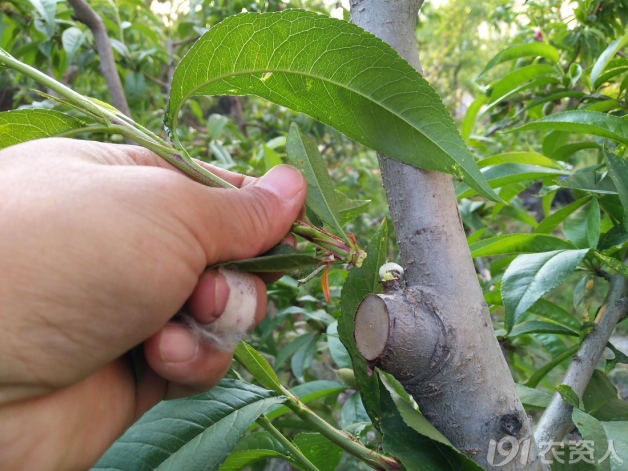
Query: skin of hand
100	245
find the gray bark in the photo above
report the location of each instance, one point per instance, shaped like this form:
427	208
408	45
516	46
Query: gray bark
469	394
556	421
84	13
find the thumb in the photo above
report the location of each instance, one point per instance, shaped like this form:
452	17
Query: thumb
239	224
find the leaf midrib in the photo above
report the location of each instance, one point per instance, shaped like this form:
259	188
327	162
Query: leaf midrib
304	74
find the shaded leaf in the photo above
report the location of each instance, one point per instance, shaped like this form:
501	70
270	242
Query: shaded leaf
518	244
553	220
582	227
535	49
353	412
531	398
568	395
282	257
252	448
321	452
530	276
606	56
539	374
540	327
589	181
586	122
337	350
618	170
257	365
349	209
593	430
321	197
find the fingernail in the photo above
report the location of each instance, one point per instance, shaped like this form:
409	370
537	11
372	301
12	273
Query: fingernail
177	345
283	180
221	296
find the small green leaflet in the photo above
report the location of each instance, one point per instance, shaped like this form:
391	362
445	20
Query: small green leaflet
539	374
530	158
321	197
530	276
589	181
335	72
280	258
586	122
541	327
322	453
252	448
535	49
205	426
568	395
257	365
553	220
349	209
606	56
618	170
360	282
582	227
26	125
532	398
615	264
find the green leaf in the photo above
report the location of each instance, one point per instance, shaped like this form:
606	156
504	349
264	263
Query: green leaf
342	75
321	197
593	430
531	398
566	151
589	181
505	174
282	257
257	365
535	49
322	453
192	433
601	399
515	79
411	417
302	358
215	124
583	226
615	264
568	395
530	276
518	244
553	220
416	451
586	122
349	209
360	282
606	56
539	374
609	75
618	170
253	448
552	97
353	412
540	327
337	350
271	158
470	116
26	125
72	40
617	435
291	348
530	158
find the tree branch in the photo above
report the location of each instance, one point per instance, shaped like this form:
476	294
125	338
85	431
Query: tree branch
468	394
556	421
84	13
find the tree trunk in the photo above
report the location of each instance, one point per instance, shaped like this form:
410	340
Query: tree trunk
439	339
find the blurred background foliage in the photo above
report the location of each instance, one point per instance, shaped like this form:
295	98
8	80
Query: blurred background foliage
457	39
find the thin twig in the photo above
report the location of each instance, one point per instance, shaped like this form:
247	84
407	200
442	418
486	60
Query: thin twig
556	421
287	444
87	15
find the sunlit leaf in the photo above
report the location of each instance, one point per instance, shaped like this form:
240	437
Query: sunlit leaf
26	125
342	76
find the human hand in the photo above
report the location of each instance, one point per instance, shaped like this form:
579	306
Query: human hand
100	245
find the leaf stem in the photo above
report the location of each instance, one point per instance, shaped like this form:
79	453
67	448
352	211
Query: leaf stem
287	444
341	438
